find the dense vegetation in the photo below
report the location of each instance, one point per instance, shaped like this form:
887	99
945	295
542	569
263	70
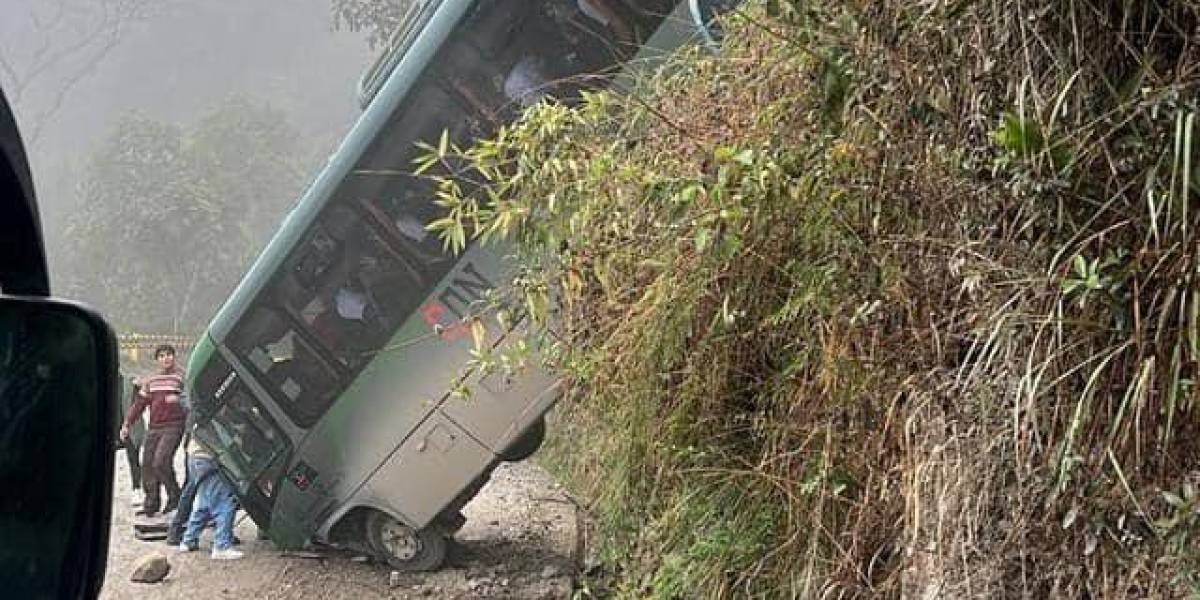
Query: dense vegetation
890	298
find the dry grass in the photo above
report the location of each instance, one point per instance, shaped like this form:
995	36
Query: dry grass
891	299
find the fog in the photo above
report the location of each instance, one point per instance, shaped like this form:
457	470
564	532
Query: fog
76	71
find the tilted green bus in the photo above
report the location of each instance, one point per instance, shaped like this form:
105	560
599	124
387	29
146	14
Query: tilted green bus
324	382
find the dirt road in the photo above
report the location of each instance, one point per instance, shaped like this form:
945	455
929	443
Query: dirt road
517	543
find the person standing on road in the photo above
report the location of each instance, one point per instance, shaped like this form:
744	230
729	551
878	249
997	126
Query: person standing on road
215	500
196	468
163	394
132	445
199	465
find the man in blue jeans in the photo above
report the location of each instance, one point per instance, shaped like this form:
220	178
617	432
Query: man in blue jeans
215	500
194	471
197	468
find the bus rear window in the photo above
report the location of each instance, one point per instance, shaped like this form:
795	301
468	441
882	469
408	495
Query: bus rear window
244	435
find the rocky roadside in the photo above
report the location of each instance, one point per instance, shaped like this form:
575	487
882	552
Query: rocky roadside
519	542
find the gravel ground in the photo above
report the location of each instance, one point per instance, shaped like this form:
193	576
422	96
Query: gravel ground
518	543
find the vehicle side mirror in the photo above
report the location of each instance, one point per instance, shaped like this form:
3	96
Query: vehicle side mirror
58	386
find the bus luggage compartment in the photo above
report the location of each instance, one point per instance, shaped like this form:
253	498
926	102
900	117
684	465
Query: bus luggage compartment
433	465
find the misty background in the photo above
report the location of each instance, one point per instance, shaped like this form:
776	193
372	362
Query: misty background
167	139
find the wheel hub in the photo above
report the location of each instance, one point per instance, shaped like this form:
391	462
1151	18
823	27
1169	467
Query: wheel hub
400	540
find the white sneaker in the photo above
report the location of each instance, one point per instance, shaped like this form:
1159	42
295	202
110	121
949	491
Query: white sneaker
183	547
227	554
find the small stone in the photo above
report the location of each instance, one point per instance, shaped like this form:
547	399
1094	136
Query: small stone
151	568
550	572
394	579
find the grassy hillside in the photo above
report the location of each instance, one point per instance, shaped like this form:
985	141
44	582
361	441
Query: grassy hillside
890	299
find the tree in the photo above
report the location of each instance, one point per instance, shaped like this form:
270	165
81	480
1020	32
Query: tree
181	213
377	18
55	45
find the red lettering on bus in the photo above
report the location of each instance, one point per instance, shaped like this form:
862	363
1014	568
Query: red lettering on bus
434	313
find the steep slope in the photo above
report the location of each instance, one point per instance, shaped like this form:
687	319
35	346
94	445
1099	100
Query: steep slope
889	299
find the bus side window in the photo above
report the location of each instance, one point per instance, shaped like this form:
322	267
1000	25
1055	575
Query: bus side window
302	284
320	256
497	27
557	49
403	206
286	363
422	117
359	301
581	42
476	88
397	201
492	25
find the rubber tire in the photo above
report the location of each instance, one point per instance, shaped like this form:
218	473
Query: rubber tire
527	444
431	539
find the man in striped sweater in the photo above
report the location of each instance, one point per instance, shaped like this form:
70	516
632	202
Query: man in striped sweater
163	394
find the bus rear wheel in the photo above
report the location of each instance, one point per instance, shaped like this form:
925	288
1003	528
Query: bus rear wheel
528	443
404	548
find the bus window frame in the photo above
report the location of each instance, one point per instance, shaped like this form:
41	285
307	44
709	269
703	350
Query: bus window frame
210	437
298	328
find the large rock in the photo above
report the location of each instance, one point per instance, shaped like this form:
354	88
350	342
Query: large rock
151	568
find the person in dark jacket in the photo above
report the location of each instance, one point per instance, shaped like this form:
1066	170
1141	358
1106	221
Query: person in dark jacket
129	394
162	393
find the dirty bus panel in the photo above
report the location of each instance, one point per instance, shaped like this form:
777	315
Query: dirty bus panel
345	337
